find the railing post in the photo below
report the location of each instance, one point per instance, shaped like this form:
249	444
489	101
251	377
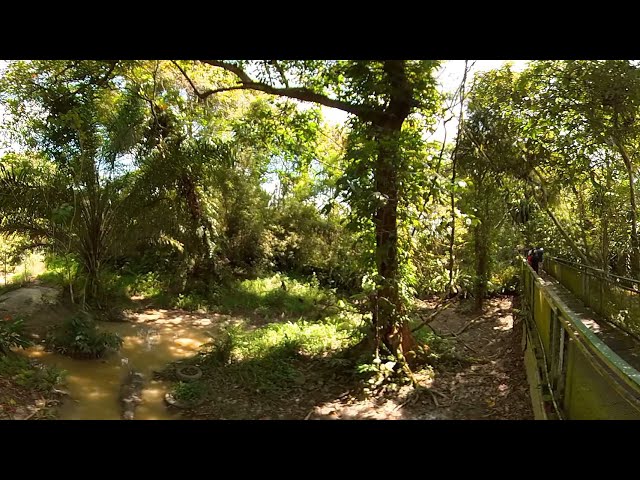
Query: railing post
561	372
532	288
602	307
553	341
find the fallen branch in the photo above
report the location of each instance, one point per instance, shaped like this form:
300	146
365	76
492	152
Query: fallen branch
411	398
38	410
31	414
442	395
433	315
469	323
467	346
435	400
433	330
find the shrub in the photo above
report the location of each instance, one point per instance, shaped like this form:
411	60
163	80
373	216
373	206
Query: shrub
12	335
79	337
189	392
220	350
190	301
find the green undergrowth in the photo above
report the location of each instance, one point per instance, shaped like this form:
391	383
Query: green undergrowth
12	334
278	359
29	374
246	373
189	392
80	337
435	349
276	296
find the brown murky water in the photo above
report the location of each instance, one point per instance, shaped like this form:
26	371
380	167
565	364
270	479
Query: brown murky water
152	340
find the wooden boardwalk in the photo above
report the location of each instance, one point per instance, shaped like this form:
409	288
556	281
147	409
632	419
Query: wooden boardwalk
619	341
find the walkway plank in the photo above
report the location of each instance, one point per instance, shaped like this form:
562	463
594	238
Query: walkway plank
620	342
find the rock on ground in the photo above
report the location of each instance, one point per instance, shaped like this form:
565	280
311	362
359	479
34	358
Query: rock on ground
27	300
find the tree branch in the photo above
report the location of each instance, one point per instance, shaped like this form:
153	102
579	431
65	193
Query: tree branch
244	78
299	93
204	95
281	72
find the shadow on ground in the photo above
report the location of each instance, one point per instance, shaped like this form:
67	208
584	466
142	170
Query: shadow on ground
489	384
493	385
285	383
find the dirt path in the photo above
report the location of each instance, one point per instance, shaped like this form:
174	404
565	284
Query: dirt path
492	386
495	385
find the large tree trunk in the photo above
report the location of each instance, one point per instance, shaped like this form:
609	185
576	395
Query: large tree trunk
388	304
389	326
452	236
480	247
387	124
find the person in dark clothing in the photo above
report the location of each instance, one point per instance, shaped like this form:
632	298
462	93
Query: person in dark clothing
534	258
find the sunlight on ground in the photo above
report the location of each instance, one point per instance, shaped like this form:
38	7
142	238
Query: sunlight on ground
373	409
505	323
591	324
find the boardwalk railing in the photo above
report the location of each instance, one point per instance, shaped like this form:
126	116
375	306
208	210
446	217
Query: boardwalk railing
617	299
572	373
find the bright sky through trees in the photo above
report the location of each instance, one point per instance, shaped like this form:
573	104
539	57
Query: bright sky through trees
449	77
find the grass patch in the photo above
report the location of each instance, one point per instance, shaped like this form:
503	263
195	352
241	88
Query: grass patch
434	349
276	296
271	297
264	297
249	371
189	392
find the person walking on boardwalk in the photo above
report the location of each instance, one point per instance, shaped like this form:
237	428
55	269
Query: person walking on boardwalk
534	257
